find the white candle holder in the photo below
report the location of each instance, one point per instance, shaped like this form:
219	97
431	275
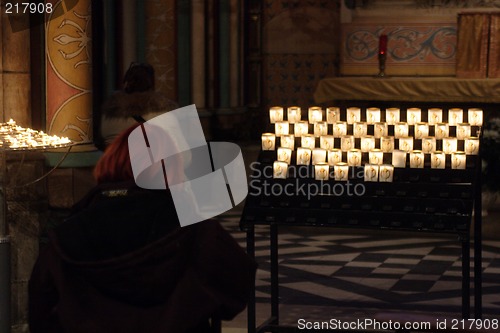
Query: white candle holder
386	173
321	171
280	170
353	115
380	130
458	160
315	114
334	156
435	116
401	130
332	114
284	155
372	115
441	130
367	143
339	129
417	159
275	114
287	141
327	142
303	156
413	116
318	156
428	144
268	141
347	142
376	156
301	128
281	128
320	128
360	129
387	144
421	130
450	145
371	172
475	117
308	141
294	114
406	144
399	158
354	157
392	116
455	116
463	131
438	160
341	171
472	145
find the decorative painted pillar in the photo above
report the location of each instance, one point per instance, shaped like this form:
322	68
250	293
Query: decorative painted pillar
68	39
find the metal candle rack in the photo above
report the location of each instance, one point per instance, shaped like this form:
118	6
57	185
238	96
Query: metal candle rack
420	200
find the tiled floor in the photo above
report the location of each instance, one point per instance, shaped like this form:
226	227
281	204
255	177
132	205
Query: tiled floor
345	273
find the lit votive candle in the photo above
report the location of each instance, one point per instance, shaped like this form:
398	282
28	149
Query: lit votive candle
321	171
421	130
472	145
293	114
353	115
280	169
399	158
438	160
318	156
308	141
475	117
386	173
441	131
339	129
288	141
284	155
341	171
360	129
392	116
320	128
416	159
332	114
367	143
413	116
406	144
275	114
301	128
315	114
347	142
380	130
428	144
372	115
387	144
303	156
268	141
455	116
449	145
334	156
401	130
371	172
458	160
376	156
463	131
435	116
281	128
326	142
354	157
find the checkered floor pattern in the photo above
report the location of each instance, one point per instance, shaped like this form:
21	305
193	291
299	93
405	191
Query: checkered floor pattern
346	270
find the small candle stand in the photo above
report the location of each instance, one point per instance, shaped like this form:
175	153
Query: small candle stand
382	55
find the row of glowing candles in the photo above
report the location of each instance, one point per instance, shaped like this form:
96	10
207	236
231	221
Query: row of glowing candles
13	136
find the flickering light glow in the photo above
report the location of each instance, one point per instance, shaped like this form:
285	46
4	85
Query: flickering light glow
15	137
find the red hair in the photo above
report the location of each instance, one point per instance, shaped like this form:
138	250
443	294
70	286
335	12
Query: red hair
114	165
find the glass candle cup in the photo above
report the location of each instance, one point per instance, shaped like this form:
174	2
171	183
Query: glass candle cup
472	145
334	156
386	173
326	142
332	114
341	171
435	116
354	157
268	141
275	114
281	128
284	155
321	171
458	159
280	169
293	114
387	144
416	159
438	160
392	116
413	116
308	141
303	156
301	128
376	156
353	115
399	158
367	143
371	172
287	141
372	115
318	156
